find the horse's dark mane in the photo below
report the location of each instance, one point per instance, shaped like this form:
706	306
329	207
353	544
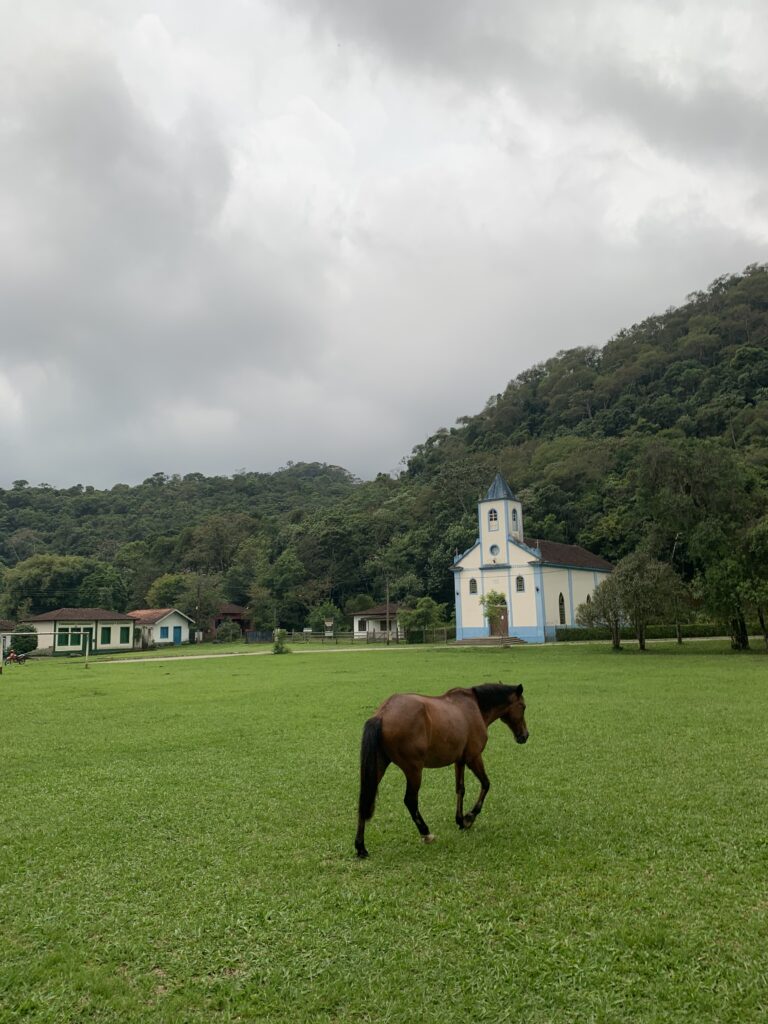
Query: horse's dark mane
491	695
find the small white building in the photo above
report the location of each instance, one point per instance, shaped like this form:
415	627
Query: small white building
372	622
543	582
161	626
77	630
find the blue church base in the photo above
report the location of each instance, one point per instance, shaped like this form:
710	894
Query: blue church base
531	634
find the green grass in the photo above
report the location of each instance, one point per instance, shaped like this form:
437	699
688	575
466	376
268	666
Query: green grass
176	843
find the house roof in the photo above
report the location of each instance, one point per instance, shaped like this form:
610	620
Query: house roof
568	554
232	609
500	490
377	610
151	616
6	625
80	615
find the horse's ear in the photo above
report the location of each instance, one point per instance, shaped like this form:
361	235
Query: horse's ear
519	690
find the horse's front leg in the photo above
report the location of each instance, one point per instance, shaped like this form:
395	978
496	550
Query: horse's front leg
459	766
478	769
411	800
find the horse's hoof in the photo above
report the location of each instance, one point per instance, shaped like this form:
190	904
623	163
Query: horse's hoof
468	821
428	839
362	853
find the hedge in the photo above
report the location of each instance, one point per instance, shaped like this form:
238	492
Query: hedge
688	630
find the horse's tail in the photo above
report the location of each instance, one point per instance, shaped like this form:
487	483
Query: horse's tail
369	767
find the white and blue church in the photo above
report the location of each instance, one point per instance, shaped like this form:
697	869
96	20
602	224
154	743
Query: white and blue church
543	582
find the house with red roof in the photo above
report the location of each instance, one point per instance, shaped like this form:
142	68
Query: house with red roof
159	627
541	581
81	630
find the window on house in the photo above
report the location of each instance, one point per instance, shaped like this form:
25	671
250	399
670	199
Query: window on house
473	586
362	624
125	634
519	584
589	599
75	639
561	605
493	519
62	638
106	635
163	632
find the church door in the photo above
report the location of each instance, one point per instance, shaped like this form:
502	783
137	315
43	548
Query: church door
501	628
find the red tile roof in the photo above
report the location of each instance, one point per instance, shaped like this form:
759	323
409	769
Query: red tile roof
568	554
150	616
80	615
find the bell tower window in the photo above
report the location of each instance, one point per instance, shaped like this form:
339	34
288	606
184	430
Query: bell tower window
493	519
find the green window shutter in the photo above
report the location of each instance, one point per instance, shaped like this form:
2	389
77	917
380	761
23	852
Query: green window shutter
106	635
125	634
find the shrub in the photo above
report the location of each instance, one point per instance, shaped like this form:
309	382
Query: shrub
21	643
279	646
228	632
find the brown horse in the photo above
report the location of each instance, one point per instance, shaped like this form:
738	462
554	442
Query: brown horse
418	732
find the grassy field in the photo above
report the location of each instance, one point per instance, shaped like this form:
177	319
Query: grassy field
176	843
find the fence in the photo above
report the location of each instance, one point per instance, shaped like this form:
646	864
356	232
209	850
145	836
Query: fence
417	636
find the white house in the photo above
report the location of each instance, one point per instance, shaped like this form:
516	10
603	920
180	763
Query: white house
161	626
75	630
543	582
374	621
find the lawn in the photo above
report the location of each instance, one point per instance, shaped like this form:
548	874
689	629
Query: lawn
176	843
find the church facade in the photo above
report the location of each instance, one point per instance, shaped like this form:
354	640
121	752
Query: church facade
543	582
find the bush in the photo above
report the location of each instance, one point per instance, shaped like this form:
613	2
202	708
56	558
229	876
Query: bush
279	646
688	630
21	643
228	632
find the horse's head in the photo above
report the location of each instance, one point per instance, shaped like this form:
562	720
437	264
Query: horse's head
514	714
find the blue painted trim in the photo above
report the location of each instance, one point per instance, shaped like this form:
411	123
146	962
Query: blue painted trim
541	609
457	603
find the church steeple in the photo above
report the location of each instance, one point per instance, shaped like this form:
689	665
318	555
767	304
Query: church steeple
500	516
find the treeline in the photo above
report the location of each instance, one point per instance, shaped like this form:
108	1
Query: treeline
658	440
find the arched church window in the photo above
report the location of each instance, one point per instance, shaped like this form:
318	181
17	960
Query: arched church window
519	584
473	586
493	519
561	604
589	599
514	518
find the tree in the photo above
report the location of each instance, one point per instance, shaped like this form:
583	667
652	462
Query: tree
648	591
105	587
262	607
426	614
494	605
166	590
604	609
24	639
201	597
323	611
44	582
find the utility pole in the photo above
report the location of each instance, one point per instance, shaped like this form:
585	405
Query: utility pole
387	585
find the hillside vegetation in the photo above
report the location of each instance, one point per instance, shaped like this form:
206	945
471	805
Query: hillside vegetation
659	439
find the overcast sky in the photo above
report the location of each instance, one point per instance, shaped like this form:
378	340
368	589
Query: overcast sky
242	233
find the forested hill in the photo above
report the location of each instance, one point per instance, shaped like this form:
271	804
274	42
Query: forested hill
660	437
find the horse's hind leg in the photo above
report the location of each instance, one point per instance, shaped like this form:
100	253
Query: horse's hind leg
459	766
478	769
411	800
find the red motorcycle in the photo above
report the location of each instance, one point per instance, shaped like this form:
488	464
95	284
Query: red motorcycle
15	659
